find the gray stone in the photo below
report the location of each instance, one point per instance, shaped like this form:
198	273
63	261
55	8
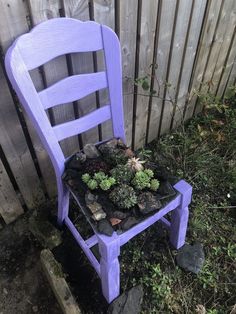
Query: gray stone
90	198
119	214
147	203
128	302
99	215
191	257
91	151
128	223
105	227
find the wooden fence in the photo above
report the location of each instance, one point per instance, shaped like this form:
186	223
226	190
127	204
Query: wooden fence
176	44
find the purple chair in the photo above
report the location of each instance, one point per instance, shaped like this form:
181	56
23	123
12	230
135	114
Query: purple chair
62	36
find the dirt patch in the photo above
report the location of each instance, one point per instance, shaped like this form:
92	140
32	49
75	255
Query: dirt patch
23	288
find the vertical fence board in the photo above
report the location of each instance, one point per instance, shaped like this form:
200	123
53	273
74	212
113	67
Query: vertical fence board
16	17
10	207
14	145
224	37
204	50
220	43
227	70
55	70
163	50
147	36
104	13
128	27
191	49
172	78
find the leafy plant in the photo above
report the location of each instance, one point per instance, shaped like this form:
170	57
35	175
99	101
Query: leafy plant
123	196
122	174
99	179
142	180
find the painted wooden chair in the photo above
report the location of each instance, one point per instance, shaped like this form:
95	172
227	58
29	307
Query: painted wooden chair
63	36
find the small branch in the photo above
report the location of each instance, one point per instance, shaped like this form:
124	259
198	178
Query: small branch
221	207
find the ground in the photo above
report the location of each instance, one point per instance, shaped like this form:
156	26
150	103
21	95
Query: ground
23	288
203	152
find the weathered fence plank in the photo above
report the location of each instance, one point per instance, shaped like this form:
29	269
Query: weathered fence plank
147	37
128	27
16	17
168	9
204	52
175	66
104	13
15	147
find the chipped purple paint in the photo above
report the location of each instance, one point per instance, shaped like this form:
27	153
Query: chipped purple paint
45	42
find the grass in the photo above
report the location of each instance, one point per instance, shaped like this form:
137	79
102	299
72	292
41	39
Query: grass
203	152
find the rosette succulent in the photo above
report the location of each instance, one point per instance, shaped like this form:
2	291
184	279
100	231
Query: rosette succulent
123	196
122	174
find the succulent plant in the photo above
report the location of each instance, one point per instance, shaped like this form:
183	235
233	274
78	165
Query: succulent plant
86	177
99	176
123	196
141	180
105	184
92	184
135	164
154	184
122	174
149	172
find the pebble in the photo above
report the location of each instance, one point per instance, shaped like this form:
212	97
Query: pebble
35	308
91	151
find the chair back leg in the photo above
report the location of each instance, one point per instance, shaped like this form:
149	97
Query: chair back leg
179	216
63	202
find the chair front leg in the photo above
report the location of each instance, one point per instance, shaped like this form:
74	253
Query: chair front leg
109	248
179	217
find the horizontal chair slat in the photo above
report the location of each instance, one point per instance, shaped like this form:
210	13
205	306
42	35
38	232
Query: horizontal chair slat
72	88
67	35
83	124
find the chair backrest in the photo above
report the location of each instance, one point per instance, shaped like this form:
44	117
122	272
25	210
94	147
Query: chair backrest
47	41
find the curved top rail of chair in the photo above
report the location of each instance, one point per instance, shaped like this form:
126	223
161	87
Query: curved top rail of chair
38	46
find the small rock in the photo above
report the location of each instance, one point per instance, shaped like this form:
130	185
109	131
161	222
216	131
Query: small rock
91	151
5	291
76	161
94	207
200	309
114	221
90	198
105	227
147	203
119	214
35	309
191	257
99	215
128	302
128	223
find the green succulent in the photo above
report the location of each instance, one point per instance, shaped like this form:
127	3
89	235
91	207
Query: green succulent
123	196
86	177
154	184
92	184
112	180
100	176
141	180
122	174
149	172
105	184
